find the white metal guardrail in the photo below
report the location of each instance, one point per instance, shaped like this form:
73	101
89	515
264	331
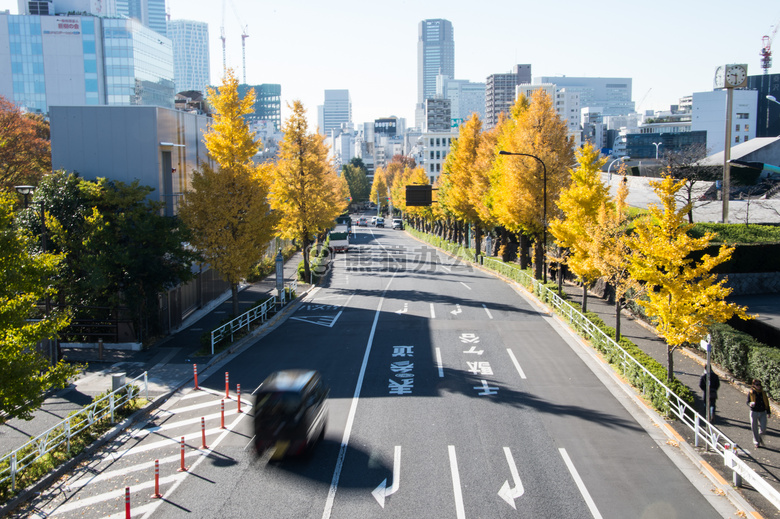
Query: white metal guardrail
645	381
253	314
62	433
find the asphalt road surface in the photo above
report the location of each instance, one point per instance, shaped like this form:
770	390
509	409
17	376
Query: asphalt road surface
451	395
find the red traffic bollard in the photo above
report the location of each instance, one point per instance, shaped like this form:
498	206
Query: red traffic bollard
127	502
156	494
227	387
222	413
203	433
195	369
182	468
238	396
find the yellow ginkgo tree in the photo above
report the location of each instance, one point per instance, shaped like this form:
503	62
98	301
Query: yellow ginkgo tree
306	192
227	208
684	296
579	204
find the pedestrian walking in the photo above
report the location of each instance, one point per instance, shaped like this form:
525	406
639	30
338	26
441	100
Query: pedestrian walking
714	386
759	410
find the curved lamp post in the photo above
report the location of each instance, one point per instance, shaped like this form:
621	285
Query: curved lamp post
657	144
609	168
544	208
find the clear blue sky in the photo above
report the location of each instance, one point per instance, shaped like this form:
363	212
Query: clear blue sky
669	48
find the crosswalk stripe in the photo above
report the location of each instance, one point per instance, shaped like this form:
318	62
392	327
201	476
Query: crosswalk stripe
140	433
113	494
195	407
159	444
146	465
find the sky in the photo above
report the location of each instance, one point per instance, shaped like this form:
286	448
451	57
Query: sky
669	48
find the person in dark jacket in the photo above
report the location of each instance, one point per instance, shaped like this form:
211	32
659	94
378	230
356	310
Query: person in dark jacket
714	386
759	410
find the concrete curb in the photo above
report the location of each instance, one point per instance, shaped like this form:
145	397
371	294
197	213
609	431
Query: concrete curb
239	346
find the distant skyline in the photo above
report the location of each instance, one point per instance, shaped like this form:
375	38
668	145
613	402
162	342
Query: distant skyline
669	49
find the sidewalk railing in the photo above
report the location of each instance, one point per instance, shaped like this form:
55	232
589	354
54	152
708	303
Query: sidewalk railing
245	320
62	433
650	386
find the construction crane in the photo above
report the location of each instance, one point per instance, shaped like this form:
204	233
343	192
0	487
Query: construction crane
222	37
244	36
766	50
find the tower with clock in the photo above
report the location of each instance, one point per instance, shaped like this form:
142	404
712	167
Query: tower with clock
729	77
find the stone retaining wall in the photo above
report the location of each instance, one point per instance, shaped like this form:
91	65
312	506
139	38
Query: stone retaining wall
754	283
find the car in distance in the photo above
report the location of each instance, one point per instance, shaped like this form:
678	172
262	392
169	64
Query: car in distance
398	223
290	412
380	222
362	222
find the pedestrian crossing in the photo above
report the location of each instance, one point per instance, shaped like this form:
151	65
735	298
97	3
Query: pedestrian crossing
96	488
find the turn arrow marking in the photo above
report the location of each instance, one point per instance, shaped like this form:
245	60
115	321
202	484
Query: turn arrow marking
381	492
510	494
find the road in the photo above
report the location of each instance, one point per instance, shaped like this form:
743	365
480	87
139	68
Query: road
451	396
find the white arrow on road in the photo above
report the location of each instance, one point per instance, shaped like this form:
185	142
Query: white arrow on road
510	494
381	492
457	310
405	309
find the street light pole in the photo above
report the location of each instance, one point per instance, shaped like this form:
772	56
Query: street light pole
544	208
609	168
657	144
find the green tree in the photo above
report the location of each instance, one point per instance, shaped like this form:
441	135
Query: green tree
359	187
118	248
25	375
25	151
684	297
579	204
305	190
519	196
228	209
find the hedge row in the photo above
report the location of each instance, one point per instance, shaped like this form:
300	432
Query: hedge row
746	358
639	378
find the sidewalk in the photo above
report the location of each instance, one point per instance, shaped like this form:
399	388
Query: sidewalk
732	415
168	363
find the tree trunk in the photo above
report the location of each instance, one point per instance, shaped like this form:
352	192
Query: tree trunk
524	259
306	264
477	238
234	292
538	259
670	363
617	318
559	275
584	297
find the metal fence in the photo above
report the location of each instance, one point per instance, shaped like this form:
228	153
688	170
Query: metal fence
244	321
650	386
62	433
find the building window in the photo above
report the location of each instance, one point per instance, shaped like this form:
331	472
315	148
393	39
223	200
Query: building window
737	128
745	139
747	127
743	116
736	139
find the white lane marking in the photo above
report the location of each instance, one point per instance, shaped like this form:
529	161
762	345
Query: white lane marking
113	494
381	492
433	312
438	363
103	476
140	433
195	393
517	364
510	494
446	268
156	445
211	403
352	410
460	511
580	484
487	311
465	285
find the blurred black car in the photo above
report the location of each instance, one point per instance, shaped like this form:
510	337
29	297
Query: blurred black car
290	412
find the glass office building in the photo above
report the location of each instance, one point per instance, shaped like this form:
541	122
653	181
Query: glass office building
191	64
83	60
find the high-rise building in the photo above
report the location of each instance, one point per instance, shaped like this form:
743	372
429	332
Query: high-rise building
106	8
768	112
611	94
438	115
500	92
149	12
336	110
709	114
465	98
435	56
83	60
268	104
191	62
